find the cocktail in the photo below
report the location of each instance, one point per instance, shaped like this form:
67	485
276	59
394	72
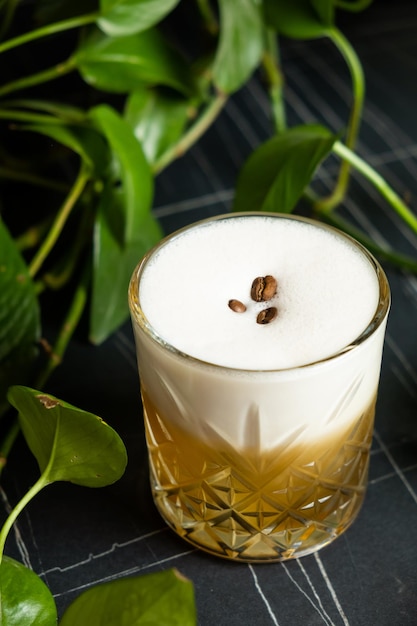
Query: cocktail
259	340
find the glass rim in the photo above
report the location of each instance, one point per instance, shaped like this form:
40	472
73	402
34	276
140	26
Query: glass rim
380	314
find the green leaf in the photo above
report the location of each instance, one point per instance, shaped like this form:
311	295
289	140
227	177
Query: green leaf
161	599
125	228
240	45
114	263
276	174
19	316
125	17
158	120
299	19
25	599
85	142
122	64
131	171
68	443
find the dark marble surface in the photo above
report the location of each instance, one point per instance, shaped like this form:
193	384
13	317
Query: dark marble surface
75	537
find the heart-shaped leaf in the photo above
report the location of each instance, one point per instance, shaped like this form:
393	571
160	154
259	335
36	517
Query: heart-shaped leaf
125	17
68	443
161	599
158	120
19	316
276	174
122	64
114	263
25	599
299	19
240	45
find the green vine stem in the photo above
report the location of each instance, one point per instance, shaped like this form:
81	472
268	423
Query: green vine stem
49	29
396	260
7	443
41	77
358	93
61	274
271	65
358	84
33	118
66	113
208	15
8	11
61	217
68	327
351	5
379	183
203	122
35	489
33	235
32	179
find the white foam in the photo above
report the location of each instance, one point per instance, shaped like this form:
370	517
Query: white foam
327	292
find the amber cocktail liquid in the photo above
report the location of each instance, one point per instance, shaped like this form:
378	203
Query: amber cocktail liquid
259	341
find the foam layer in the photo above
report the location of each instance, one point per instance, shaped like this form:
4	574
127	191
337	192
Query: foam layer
327	292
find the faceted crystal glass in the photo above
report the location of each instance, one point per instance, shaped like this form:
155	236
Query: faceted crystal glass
215	478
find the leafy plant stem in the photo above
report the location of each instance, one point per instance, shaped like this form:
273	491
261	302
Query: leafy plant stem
349	5
208	16
33	491
34	118
396	260
69	115
9	12
59	222
33	235
68	327
379	183
41	77
32	179
7	443
49	29
56	279
358	84
193	134
271	65
358	93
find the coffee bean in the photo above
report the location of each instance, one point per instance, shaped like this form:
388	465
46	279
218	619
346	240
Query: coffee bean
267	315
237	306
257	289
263	288
270	288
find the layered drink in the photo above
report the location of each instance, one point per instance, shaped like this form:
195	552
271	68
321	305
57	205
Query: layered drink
259	341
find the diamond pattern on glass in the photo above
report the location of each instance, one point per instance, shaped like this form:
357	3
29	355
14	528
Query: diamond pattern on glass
252	506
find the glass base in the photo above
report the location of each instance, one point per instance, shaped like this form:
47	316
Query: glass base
258	507
230	535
